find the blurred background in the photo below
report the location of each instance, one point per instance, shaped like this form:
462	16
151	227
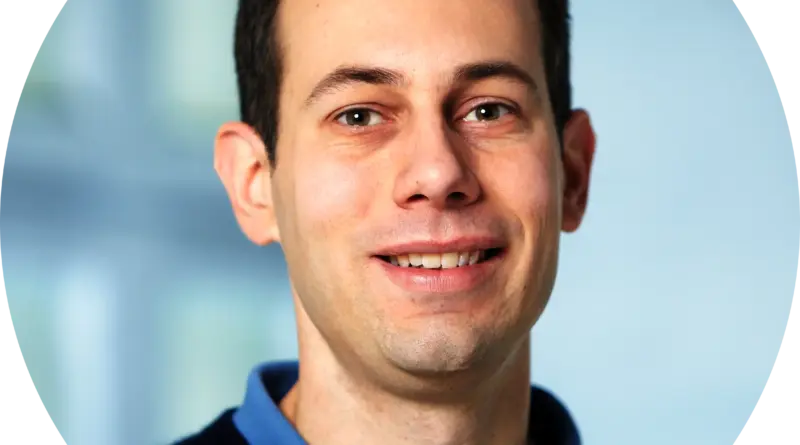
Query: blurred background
140	308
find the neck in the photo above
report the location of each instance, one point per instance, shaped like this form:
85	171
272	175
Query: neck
329	405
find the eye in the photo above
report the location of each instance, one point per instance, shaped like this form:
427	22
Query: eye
359	117
487	112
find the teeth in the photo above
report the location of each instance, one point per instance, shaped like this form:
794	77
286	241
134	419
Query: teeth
431	261
463	259
449	260
415	259
437	261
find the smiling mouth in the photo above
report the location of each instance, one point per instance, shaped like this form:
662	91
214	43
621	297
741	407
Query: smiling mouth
450	260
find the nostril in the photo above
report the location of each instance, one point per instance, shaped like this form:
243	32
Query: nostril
457	197
417	197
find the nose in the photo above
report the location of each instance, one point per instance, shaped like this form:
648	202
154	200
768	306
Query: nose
435	171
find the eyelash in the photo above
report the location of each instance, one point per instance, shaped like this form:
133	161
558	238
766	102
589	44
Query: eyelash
509	109
343	115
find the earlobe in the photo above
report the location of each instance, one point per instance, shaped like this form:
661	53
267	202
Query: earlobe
578	157
241	163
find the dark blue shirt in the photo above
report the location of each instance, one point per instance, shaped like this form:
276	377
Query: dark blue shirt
259	421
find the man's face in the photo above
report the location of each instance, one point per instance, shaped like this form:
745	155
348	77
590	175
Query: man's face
421	131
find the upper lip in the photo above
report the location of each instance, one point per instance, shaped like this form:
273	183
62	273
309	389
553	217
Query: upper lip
470	244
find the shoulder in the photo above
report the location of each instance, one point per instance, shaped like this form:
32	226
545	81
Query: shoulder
221	431
550	421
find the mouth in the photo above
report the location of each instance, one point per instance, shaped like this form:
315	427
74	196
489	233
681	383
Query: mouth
448	269
443	273
447	260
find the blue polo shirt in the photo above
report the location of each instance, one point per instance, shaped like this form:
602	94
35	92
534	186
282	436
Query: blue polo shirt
259	421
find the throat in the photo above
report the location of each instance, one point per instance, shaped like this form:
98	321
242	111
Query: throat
335	416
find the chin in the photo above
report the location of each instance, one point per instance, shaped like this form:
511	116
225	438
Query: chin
441	347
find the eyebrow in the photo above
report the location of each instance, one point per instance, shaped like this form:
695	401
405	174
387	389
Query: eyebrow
484	70
346	75
468	73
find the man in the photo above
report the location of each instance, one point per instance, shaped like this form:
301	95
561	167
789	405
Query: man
416	160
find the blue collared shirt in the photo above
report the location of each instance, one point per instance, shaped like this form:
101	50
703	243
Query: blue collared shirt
259	421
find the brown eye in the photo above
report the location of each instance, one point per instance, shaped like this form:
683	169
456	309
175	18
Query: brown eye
359	117
487	112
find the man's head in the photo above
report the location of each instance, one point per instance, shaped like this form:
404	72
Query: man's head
381	134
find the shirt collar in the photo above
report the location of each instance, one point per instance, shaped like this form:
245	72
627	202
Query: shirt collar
259	419
261	422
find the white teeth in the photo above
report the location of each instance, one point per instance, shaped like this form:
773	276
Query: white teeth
449	260
415	259
431	261
436	260
463	259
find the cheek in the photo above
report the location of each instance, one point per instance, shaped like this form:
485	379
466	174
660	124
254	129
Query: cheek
529	187
332	198
529	190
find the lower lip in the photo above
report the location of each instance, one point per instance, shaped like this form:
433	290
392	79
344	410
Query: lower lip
441	281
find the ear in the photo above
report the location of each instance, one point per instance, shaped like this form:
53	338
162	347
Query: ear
240	160
578	155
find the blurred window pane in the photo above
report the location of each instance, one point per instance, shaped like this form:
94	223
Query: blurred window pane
222	325
193	67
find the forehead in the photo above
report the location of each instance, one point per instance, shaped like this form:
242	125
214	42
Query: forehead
418	37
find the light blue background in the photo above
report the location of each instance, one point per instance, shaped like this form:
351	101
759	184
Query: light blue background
140	308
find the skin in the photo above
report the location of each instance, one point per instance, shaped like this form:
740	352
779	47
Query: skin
380	363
